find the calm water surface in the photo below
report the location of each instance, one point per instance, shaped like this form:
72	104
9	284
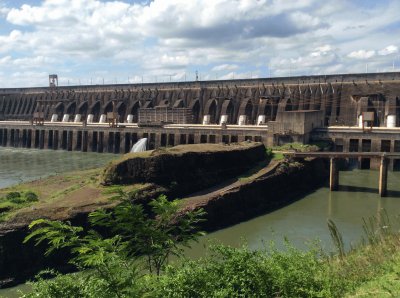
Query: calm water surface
301	222
20	165
306	220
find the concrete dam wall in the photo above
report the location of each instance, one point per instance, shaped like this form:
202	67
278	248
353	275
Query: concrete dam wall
342	98
273	111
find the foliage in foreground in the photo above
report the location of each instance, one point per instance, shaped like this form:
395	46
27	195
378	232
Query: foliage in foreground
371	270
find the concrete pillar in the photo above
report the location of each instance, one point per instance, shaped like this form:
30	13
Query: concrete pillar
46	139
16	138
103	118
383	173
157	140
56	140
5	137
242	120
65	118
241	138
29	138
346	145
197	138
129	119
54	118
333	175
41	139
122	143
224	119
177	139
260	119
8	138
206	119
85	141
90	118
100	141
78	118
90	141
391	121
75	136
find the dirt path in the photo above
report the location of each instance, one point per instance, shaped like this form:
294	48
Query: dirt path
203	196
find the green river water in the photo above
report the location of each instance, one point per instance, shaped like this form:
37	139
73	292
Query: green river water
301	222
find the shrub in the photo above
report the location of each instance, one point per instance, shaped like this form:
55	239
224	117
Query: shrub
13	195
30	196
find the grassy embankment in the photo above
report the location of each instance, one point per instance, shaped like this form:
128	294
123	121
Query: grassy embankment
57	196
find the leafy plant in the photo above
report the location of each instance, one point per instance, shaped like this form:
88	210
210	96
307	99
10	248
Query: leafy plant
30	196
156	237
336	237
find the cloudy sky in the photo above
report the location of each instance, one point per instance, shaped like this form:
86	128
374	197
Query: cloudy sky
93	41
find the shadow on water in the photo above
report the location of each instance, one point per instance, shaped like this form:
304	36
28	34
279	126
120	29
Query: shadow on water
365	189
352	188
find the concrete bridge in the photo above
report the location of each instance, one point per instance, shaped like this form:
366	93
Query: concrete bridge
334	170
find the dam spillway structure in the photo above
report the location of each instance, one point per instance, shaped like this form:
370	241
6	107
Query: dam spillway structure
139	146
275	111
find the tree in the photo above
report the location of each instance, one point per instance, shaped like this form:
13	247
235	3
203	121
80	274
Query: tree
156	236
163	234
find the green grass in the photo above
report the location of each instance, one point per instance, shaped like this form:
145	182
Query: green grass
15	200
316	146
278	156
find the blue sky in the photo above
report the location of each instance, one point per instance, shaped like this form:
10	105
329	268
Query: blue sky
88	41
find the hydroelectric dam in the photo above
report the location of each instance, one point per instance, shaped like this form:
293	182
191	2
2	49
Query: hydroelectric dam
355	112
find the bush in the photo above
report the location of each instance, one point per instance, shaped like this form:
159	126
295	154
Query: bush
13	195
30	196
232	272
269	153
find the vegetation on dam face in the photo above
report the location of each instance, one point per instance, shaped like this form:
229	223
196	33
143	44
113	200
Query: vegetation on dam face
115	269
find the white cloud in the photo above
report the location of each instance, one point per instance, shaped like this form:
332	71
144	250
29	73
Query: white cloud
94	39
392	49
321	51
3	11
224	67
77	28
361	54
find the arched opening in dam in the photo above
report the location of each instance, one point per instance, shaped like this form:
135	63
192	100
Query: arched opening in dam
95	110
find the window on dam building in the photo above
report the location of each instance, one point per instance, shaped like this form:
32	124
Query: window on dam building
353	146
366	146
396	146
385	145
